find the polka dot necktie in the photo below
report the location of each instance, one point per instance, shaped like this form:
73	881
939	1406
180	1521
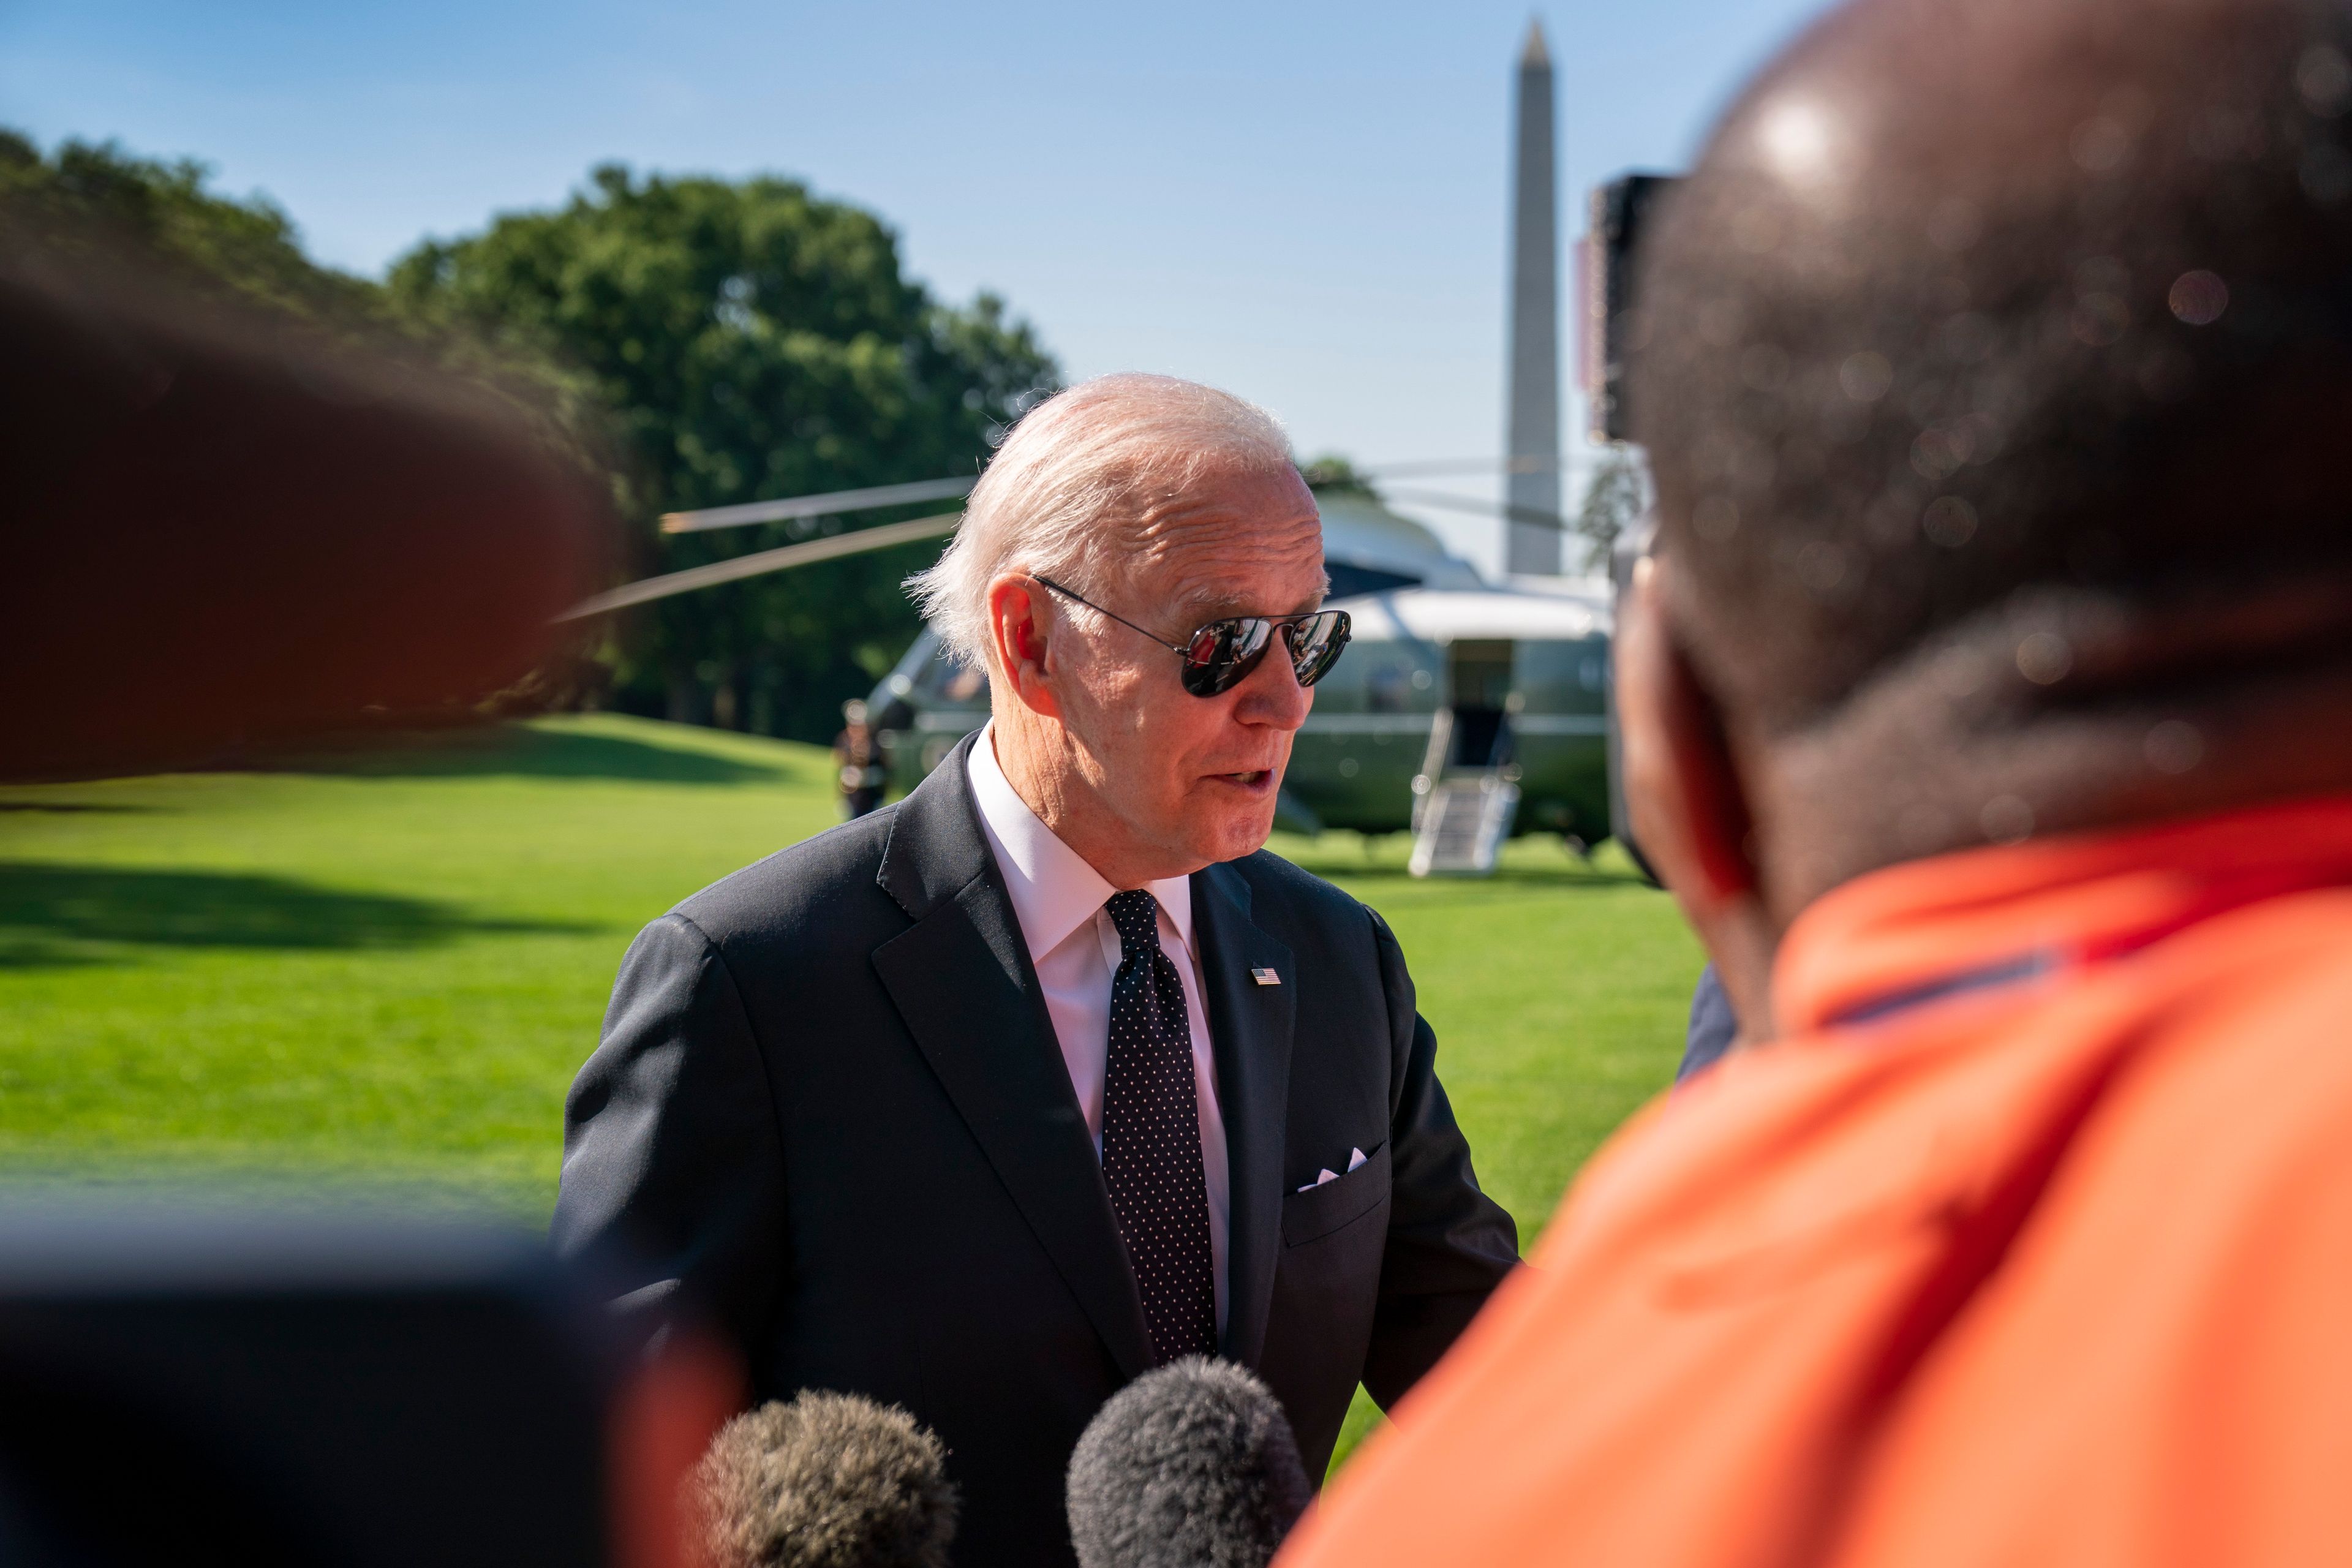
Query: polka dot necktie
1151	1138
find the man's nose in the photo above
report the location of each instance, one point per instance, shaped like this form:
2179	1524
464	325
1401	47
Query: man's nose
1272	695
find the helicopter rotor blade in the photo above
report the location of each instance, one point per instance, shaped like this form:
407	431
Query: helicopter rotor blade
831	504
761	564
1536	516
1433	468
836	502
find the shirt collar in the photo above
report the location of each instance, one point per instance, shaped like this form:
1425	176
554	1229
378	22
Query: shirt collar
1962	922
1053	889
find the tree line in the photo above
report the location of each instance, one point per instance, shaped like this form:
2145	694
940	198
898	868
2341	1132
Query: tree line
700	341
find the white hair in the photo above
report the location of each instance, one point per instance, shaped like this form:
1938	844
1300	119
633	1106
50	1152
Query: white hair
1076	472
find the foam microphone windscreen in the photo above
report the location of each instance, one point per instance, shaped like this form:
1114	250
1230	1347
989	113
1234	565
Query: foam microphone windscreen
828	1480
1190	1466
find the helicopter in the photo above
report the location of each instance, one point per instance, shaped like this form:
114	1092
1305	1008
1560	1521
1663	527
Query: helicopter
1464	711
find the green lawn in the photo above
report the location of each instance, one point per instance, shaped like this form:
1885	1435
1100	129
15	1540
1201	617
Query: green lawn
390	967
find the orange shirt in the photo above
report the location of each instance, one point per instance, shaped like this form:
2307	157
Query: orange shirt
2029	1243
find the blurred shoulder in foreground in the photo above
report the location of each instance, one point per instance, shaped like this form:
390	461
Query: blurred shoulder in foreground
1982	711
234	527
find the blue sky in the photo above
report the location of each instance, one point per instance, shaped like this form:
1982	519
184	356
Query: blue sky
1302	202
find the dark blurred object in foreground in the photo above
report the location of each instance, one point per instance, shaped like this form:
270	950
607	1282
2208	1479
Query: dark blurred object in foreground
1193	1465
1611	328
829	1480
224	529
197	1386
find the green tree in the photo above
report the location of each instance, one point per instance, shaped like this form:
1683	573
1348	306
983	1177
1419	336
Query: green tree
1614	500
749	341
1338	475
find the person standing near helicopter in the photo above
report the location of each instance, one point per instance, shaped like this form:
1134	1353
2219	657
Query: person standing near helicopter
857	763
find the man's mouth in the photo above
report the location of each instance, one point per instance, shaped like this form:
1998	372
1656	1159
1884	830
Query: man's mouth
1254	779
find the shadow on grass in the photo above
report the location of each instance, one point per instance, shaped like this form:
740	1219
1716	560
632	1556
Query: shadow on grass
514	750
232	1177
1344	867
68	808
51	916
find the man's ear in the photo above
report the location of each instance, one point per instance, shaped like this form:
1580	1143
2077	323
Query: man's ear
1688	810
1683	792
1018	617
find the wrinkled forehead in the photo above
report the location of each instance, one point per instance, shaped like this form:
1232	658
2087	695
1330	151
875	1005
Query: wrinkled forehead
1225	542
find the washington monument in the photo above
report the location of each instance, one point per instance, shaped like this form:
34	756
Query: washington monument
1533	437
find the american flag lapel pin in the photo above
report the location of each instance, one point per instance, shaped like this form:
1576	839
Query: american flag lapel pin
1266	977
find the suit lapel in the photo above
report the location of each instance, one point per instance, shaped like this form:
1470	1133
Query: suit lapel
1249	1029
962	980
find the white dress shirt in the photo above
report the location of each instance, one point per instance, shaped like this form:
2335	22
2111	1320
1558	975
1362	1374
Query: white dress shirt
1058	900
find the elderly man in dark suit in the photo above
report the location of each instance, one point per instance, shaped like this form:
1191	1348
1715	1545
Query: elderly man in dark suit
990	1101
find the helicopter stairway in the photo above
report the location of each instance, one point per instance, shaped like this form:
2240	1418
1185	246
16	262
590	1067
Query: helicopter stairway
1463	812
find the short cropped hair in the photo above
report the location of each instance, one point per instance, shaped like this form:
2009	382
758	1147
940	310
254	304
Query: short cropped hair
1077	472
2072	317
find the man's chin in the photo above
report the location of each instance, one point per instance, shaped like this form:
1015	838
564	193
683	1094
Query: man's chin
1224	818
1239	834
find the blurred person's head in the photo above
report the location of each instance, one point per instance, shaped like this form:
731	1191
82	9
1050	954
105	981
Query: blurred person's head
1168	505
1994	365
853	713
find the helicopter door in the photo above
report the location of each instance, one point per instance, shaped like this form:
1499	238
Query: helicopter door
1468	792
1479	681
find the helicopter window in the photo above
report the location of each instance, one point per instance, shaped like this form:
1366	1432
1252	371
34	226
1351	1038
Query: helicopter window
1566	675
942	679
1347	581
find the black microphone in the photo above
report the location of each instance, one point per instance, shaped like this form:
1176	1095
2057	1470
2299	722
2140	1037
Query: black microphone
830	1480
1190	1466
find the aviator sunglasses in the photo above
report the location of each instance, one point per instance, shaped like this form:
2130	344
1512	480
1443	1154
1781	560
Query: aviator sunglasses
1220	655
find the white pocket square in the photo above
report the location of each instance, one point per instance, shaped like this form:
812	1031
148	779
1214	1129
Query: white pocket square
1355	1159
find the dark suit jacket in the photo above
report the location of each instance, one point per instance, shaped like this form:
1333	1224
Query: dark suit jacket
1713	1026
830	1109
